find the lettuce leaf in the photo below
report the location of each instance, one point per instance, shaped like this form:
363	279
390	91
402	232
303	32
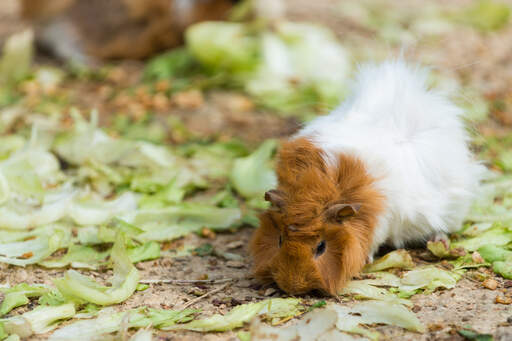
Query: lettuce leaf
253	175
395	259
35	250
223	46
270	308
81	288
38	321
108	322
316	325
16	57
429	278
370	312
19	294
497	235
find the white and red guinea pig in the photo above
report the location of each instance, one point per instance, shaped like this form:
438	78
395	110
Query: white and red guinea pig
390	165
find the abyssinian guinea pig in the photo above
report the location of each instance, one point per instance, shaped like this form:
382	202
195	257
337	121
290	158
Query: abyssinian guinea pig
388	166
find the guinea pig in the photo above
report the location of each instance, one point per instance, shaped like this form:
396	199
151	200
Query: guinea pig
389	166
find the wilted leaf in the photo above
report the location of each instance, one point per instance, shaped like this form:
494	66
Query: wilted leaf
83	289
38	321
396	259
253	175
18	295
350	318
429	278
271	308
16	57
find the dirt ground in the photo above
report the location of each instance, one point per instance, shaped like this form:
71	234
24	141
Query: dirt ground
483	61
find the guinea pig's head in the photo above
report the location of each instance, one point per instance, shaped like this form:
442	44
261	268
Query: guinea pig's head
319	228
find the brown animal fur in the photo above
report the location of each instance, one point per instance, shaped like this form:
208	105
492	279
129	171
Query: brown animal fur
111	29
307	189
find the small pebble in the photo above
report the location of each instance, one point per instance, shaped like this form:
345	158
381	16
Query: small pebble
234	245
235	264
503	300
207	233
435	327
270	292
197	292
490	284
191	99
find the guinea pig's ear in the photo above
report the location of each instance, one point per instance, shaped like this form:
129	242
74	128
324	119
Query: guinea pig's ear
339	212
275	198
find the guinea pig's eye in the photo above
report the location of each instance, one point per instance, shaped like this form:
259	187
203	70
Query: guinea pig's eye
320	248
280	241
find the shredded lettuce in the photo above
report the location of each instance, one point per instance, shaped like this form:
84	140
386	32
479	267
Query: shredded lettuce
289	67
492	253
77	256
503	268
383	279
146	251
442	249
142	335
369	312
176	221
83	289
429	278
500	258
497	235
316	325
271	309
485	15
16	57
38	321
234	319
18	296
395	259
253	175
361	290
108	322
91	211
35	250
223	46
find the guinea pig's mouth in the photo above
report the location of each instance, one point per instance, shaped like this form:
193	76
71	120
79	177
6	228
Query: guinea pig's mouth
298	286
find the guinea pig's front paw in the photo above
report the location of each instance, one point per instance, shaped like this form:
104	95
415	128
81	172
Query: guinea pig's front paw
440	237
369	259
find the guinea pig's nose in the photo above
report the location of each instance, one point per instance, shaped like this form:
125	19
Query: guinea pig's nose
292	284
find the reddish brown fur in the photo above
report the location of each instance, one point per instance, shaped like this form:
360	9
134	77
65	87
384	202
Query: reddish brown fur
308	188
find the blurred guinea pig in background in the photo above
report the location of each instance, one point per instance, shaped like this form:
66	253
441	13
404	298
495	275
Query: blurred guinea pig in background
92	30
389	166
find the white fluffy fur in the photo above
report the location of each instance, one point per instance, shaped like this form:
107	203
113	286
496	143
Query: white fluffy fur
413	141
